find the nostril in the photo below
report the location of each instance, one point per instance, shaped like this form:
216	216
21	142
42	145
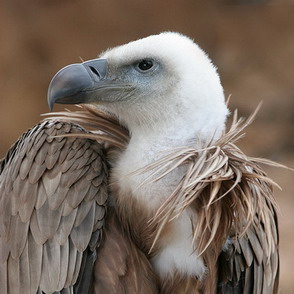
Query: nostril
94	70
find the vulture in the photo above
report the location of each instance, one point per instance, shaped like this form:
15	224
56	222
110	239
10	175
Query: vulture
142	189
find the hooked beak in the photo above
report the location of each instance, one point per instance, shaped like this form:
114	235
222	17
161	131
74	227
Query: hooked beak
85	83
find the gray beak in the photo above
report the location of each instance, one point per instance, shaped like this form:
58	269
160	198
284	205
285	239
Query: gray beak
83	83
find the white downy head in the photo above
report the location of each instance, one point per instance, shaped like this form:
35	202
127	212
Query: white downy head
180	92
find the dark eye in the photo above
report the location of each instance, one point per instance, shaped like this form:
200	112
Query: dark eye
145	64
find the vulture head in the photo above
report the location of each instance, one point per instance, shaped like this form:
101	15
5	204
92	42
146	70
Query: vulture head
161	82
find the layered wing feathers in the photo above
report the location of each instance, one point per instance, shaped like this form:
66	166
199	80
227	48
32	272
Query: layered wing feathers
53	197
247	265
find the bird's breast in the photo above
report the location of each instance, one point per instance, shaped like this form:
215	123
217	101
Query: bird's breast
133	176
174	252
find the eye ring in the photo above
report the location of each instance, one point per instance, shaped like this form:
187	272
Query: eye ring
145	65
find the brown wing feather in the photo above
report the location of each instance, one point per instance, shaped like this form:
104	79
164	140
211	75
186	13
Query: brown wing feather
249	264
121	266
52	205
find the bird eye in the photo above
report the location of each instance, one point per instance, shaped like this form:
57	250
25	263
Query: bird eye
145	64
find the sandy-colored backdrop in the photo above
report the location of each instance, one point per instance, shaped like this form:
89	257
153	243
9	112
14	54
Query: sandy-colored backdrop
251	42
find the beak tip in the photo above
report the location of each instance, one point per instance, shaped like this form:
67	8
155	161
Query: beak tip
50	106
50	98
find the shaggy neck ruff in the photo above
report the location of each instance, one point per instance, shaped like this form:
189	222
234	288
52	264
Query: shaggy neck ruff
217	177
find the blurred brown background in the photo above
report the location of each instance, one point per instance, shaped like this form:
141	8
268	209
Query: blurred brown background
251	42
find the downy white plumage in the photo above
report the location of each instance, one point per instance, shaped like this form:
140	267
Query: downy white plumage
178	102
